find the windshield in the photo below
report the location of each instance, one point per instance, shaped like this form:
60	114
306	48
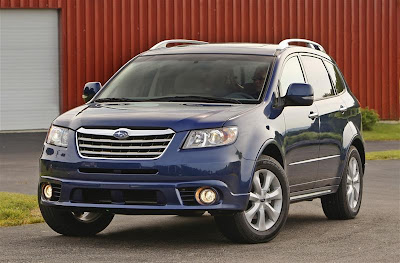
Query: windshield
190	77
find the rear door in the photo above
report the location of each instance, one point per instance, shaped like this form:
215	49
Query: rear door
301	140
332	120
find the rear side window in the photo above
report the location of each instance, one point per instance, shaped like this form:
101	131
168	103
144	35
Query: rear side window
318	77
336	77
291	73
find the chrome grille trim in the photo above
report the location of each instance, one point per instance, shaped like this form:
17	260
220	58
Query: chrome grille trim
110	132
140	145
120	147
124	141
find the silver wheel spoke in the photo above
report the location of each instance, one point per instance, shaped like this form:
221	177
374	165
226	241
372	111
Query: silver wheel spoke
350	168
356	178
254	197
354	168
276	194
86	216
257	183
350	194
261	219
252	212
349	189
355	192
268	179
349	179
272	213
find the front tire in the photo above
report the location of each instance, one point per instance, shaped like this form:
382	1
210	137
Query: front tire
70	223
267	208
346	202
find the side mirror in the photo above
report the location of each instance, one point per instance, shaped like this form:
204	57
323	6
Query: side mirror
90	89
299	94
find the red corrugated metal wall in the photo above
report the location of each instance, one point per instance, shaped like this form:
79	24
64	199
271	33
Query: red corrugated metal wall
363	36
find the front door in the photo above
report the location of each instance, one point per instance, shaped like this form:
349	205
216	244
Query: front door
301	139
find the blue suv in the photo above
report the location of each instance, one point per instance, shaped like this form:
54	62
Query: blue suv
236	130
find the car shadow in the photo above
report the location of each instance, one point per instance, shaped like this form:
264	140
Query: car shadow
173	231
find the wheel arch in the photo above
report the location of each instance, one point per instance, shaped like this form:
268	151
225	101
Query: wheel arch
352	137
272	149
357	142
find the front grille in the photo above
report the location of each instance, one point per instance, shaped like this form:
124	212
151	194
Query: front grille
188	195
141	144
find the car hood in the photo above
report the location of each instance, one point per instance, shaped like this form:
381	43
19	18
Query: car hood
177	116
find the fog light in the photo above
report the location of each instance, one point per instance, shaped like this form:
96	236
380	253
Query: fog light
206	196
48	191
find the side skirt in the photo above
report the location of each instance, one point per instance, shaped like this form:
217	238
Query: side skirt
309	195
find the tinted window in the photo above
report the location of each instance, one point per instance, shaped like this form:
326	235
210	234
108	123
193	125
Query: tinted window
335	76
292	73
318	77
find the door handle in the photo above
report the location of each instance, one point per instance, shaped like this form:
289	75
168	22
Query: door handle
313	115
342	109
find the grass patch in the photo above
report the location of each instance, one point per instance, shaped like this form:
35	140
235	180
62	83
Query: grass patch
18	209
383	155
383	132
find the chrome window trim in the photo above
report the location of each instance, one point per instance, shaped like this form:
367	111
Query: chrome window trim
315	159
107	132
324	59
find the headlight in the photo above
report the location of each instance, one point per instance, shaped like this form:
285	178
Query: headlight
57	136
211	137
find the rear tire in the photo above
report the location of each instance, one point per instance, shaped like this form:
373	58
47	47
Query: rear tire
267	209
346	202
73	223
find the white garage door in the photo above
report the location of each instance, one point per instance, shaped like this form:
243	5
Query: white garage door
29	68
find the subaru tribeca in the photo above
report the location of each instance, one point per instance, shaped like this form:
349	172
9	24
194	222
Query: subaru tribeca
236	130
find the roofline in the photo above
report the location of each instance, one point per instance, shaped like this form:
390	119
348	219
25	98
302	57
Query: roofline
281	46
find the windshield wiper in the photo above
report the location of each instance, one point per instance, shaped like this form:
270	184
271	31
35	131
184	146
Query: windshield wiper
196	99
117	100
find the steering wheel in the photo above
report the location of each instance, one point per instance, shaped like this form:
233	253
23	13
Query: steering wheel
239	95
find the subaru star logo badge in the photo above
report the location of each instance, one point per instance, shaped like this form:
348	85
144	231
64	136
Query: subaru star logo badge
121	134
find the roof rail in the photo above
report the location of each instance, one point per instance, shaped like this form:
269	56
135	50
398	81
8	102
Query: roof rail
163	44
311	44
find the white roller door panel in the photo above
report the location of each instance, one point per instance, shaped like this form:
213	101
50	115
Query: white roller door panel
29	68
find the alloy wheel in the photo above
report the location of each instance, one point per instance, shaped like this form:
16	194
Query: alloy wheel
353	183
265	202
86	217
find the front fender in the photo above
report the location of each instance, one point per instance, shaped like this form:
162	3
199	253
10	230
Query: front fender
256	131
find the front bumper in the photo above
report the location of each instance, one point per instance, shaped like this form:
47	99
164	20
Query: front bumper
221	168
169	192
